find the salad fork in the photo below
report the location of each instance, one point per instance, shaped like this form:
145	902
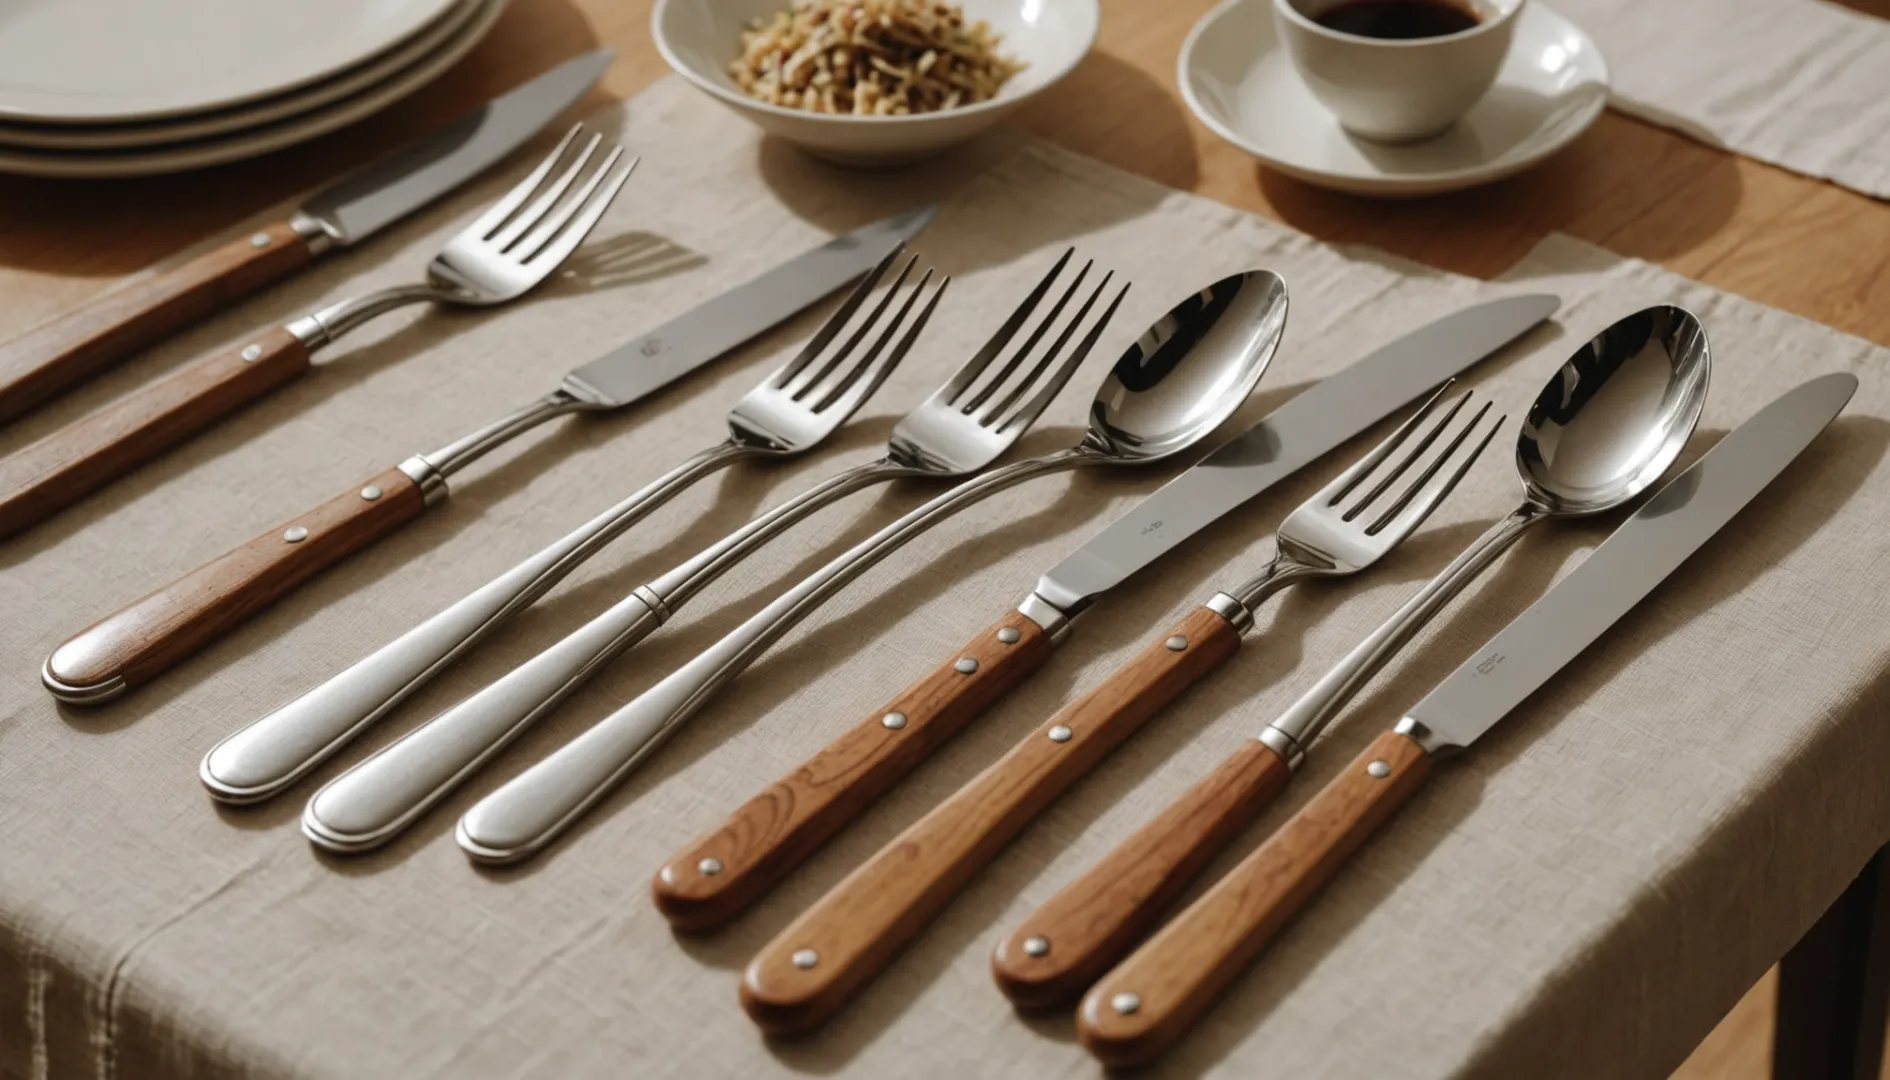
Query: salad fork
505	253
793	410
951	433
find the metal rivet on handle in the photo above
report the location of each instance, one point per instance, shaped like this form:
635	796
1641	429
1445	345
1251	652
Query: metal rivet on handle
966	665
1177	643
1060	733
804	958
251	354
1379	769
259	240
1010	635
371	492
893	721
709	867
1125	1003
295	534
1036	945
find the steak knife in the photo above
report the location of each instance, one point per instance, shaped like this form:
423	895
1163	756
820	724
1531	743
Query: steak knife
130	647
1149	1000
724	871
58	353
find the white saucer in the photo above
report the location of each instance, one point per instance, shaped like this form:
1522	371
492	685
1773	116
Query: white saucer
1239	81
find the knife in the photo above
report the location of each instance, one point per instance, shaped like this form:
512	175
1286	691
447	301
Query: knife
725	870
58	353
128	648
1145	1003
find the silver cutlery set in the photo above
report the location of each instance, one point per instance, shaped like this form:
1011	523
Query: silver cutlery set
1601	435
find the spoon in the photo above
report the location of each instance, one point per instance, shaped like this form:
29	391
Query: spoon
1181	378
1601	432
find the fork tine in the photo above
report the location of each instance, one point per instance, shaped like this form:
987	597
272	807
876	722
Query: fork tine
1342	485
505	236
835	388
550	235
861	389
1026	413
562	245
836	321
819	375
1411	509
1399	467
499	211
1002	337
997	381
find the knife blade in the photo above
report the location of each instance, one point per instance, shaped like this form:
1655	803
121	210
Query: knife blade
56	354
1149	1000
774	831
155	632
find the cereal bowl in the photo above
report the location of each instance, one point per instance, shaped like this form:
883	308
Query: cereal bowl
701	38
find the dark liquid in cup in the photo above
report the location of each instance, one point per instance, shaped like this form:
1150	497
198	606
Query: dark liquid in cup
1399	19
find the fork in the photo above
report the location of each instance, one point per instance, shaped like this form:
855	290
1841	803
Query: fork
501	256
792	411
376	799
847	936
965	429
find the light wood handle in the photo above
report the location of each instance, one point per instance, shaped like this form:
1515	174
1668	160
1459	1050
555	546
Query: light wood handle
78	344
83	456
853	931
175	621
1069	942
1149	1000
718	876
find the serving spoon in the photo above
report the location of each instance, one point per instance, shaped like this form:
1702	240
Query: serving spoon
1177	383
1602	430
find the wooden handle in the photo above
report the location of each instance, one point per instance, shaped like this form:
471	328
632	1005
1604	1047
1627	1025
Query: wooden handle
56	354
1069	942
718	876
128	648
89	453
819	961
1137	1010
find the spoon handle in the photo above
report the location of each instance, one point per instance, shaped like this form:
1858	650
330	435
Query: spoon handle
1149	1000
854	931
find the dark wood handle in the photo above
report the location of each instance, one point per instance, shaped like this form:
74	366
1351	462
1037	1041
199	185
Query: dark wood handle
1149	1000
85	455
1069	942
78	344
718	876
182	617
853	931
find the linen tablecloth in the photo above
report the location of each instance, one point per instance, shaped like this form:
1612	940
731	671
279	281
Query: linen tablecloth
1584	894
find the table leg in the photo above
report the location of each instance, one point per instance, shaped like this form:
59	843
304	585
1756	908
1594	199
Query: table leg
1834	986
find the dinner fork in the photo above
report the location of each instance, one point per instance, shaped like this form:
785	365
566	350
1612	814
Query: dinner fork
951	433
793	410
852	932
968	430
501	256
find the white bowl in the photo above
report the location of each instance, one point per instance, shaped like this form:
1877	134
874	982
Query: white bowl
699	38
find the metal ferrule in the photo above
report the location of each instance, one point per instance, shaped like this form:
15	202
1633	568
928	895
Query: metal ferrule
313	233
1047	615
431	481
1433	744
1232	610
455	456
1284	745
338	318
653	602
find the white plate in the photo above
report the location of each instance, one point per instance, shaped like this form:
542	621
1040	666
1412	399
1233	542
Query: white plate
116	61
256	141
700	37
1238	80
268	110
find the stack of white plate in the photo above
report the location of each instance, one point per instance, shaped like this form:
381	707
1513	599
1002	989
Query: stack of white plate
136	87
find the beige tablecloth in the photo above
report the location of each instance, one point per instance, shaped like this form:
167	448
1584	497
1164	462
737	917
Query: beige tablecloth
1583	895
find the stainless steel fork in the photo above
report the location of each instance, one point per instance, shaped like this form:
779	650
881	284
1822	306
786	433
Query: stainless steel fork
792	411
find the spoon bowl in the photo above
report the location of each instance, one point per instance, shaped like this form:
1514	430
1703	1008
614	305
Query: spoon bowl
1190	370
1616	415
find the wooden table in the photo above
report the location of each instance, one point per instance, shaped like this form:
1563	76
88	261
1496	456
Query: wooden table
1794	243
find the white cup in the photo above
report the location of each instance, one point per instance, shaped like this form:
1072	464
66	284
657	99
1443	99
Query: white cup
1391	90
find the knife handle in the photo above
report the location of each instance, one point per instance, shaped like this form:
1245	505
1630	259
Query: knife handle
58	353
1149	1000
83	456
1069	942
817	963
721	873
138	642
